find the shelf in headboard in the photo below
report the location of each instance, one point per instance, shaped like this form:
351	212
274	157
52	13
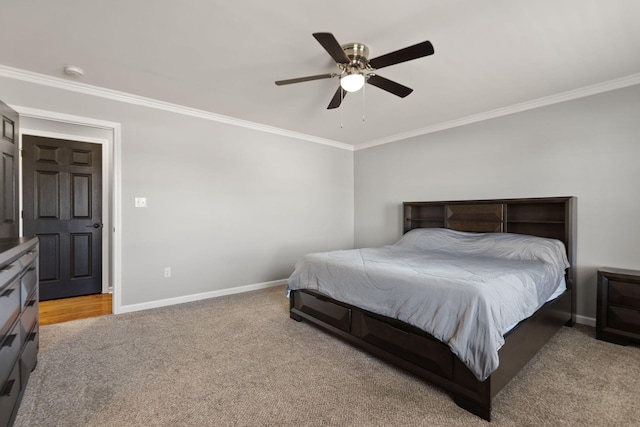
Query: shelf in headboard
545	217
552	217
526	221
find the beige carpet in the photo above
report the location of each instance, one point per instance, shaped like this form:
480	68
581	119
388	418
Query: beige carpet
240	361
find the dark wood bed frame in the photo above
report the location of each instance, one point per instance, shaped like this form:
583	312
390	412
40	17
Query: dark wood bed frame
420	353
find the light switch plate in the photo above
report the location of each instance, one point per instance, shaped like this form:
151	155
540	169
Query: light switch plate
141	202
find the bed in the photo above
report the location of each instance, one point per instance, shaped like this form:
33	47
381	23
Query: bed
405	339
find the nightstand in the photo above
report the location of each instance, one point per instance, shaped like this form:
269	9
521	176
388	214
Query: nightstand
618	309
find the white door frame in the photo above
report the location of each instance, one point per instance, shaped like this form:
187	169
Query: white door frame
111	189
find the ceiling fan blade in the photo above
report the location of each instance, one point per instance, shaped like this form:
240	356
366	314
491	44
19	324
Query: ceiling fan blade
389	85
407	54
333	48
337	98
305	79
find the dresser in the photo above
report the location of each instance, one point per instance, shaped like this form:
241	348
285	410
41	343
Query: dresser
18	321
618	305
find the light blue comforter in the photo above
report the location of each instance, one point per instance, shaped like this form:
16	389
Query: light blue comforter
466	289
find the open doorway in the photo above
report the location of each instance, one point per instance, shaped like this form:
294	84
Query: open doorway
105	136
62	206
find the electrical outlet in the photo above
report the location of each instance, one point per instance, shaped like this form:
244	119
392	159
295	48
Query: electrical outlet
167	272
141	202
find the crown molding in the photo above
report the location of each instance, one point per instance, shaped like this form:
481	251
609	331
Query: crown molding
595	89
83	88
41	79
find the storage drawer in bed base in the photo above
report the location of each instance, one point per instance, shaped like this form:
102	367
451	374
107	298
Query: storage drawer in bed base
321	308
403	345
405	342
402	340
419	353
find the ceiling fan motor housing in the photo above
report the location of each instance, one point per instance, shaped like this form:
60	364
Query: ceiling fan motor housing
358	53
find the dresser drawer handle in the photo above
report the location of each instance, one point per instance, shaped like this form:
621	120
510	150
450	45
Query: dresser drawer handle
6	390
32	336
31	303
9	341
7	268
7	292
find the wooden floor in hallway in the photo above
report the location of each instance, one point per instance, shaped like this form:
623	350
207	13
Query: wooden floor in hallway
63	310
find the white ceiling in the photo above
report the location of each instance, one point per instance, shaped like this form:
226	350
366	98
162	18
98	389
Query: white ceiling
224	56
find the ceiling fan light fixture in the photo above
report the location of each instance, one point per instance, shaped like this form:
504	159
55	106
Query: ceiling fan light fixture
352	82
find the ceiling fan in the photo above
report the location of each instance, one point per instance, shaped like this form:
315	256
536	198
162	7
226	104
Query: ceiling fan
356	68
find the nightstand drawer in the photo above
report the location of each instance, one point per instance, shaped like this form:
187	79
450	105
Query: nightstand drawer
624	319
618	305
624	293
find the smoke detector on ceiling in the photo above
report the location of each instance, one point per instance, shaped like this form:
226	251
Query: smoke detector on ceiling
73	71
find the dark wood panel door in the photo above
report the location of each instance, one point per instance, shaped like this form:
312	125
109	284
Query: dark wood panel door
8	172
62	186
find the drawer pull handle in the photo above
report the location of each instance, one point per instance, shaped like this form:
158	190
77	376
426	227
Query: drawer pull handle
7	292
7	268
6	390
32	336
31	303
9	341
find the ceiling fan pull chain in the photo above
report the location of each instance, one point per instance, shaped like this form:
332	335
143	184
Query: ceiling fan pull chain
341	113
364	101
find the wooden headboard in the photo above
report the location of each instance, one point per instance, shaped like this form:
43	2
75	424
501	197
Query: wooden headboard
552	217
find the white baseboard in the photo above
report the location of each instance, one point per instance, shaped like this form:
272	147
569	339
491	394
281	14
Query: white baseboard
584	320
198	297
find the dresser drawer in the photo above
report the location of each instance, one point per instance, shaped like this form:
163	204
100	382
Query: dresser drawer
28	258
624	319
29	356
18	321
9	350
624	293
29	283
9	306
9	272
29	315
9	392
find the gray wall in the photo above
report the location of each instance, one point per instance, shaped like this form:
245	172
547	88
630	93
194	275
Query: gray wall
588	148
227	206
230	206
